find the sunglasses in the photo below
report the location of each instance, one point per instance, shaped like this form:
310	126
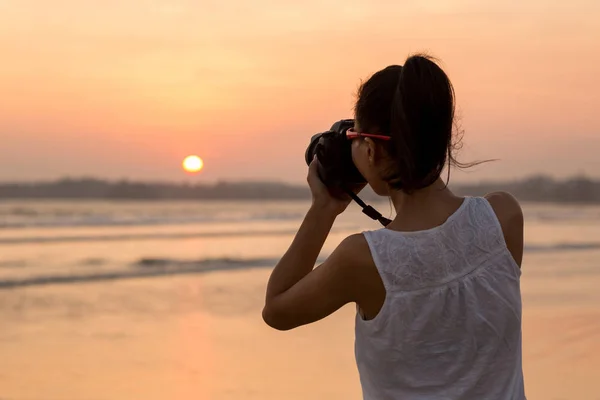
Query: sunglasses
352	134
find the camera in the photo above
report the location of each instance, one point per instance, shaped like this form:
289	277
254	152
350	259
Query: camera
336	168
334	152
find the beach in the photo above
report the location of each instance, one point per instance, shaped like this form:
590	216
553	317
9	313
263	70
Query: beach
202	337
183	335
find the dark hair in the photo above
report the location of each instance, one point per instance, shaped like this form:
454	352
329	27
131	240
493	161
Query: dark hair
414	104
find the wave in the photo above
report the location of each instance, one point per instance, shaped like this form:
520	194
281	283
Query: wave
223	263
98	220
13	263
157	267
558	247
145	267
140	236
564	214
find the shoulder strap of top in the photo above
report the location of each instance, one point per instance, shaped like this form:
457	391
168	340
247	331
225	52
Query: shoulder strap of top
486	211
377	241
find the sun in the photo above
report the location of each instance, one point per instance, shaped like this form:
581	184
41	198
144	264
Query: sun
192	164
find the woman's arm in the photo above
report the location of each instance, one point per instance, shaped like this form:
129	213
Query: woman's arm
297	294
302	255
321	291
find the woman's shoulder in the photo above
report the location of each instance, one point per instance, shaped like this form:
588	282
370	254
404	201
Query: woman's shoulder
355	249
369	289
355	254
510	215
505	206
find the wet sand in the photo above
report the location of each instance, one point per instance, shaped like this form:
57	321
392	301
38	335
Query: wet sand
202	337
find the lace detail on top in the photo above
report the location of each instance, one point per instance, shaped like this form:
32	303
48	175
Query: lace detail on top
450	327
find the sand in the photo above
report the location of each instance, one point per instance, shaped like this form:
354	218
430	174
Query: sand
201	337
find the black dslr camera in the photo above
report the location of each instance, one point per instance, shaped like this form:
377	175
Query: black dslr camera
336	168
333	149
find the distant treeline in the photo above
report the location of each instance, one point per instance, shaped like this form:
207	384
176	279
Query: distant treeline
101	189
574	190
541	188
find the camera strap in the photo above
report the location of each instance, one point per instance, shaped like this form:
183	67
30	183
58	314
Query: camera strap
368	210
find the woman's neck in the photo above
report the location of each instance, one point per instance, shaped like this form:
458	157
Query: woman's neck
425	208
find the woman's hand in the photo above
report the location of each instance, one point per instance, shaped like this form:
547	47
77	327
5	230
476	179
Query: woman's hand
322	197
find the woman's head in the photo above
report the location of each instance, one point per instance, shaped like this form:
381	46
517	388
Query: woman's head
414	105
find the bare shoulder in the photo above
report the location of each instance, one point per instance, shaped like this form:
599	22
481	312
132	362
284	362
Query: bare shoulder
353	255
355	246
509	213
504	204
361	274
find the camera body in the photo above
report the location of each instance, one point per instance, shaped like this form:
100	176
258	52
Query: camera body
334	152
336	167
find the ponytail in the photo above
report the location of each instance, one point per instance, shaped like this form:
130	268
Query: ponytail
420	102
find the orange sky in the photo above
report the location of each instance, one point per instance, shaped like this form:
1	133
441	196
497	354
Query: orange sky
128	88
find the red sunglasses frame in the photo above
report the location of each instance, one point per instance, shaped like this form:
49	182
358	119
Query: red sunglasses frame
351	134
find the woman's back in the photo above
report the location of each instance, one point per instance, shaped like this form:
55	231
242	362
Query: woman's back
450	327
440	308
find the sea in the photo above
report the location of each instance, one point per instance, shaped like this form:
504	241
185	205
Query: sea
73	242
119	300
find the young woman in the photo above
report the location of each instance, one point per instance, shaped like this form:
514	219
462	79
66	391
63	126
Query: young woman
437	291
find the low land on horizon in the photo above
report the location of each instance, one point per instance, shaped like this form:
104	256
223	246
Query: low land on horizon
539	188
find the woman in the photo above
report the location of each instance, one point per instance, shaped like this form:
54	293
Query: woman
437	291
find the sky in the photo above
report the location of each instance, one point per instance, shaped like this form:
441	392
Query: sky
126	89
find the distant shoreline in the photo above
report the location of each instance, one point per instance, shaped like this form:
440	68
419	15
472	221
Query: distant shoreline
579	190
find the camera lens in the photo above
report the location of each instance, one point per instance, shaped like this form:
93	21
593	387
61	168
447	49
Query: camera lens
312	148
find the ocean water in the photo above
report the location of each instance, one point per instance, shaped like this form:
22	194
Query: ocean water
63	242
162	300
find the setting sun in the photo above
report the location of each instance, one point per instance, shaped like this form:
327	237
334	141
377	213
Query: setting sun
192	164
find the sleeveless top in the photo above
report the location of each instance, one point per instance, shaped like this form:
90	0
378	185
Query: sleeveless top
450	326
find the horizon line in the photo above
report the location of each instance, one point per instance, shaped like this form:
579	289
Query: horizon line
528	177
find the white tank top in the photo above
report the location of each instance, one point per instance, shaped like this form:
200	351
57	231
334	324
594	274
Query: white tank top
450	326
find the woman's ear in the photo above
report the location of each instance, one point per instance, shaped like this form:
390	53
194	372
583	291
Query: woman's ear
370	151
